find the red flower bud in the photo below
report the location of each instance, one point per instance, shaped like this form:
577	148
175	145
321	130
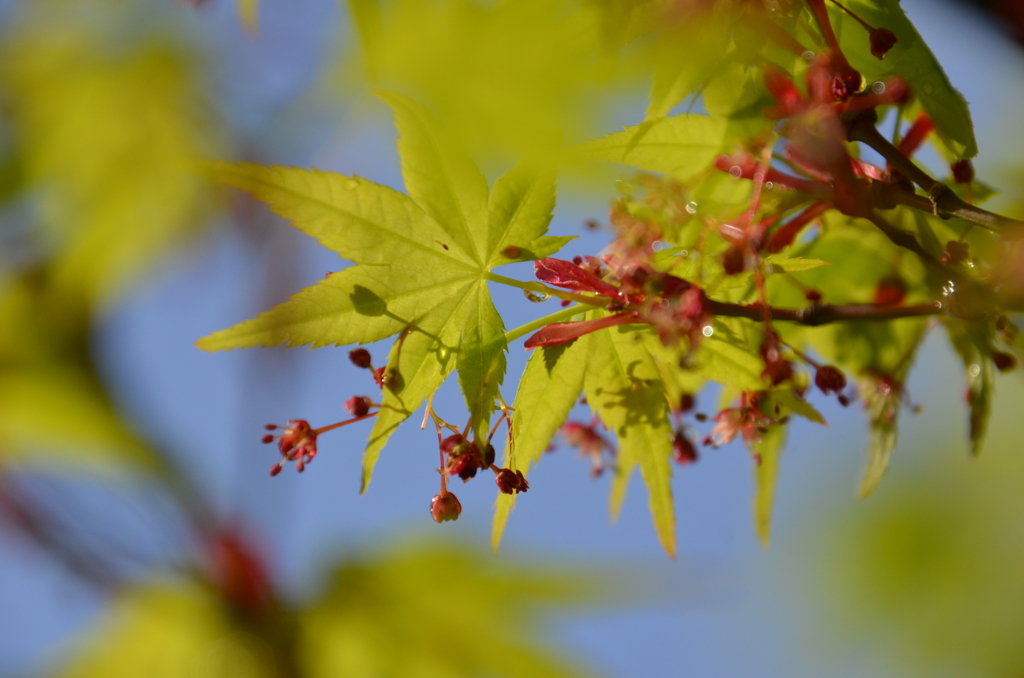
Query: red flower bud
464	459
830	379
846	84
778	371
445	506
449	443
956	253
297	443
963	171
358	406
734	260
897	90
686	402
684	451
1004	361
891	291
360	357
882	40
509	481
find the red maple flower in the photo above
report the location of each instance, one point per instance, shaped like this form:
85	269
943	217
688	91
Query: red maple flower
238	572
746	420
445	506
297	443
509	481
590	443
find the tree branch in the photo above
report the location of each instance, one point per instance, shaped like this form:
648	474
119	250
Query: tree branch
941	198
823	314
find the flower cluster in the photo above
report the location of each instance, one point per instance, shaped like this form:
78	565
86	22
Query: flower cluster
591	444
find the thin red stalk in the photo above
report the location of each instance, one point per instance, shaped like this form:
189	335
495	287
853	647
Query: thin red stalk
440	448
339	424
748	169
863	23
915	136
800	354
821	14
785	235
760	173
495	429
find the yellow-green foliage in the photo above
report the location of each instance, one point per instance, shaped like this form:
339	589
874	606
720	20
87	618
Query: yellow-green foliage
409	611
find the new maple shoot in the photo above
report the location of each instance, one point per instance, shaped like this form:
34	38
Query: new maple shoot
756	249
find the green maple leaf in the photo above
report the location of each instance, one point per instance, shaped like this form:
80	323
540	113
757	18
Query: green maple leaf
623	385
973	342
682	146
422	265
766	472
547	392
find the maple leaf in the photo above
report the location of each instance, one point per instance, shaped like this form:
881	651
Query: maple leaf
422	264
973	342
547	392
623	385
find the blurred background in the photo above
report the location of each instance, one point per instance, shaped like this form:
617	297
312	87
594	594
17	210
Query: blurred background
140	532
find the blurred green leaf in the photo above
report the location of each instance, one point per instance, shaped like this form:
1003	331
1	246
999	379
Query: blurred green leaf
973	342
688	51
682	145
926	574
788	398
381	615
169	631
729	360
111	140
767	456
736	90
249	11
882	401
56	416
393	615
526	78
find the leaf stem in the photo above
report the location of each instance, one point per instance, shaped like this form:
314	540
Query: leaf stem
533	286
555	317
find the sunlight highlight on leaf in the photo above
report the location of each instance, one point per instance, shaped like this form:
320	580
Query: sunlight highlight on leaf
624	388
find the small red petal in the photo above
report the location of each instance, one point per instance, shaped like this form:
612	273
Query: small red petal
563	333
784	236
572	277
